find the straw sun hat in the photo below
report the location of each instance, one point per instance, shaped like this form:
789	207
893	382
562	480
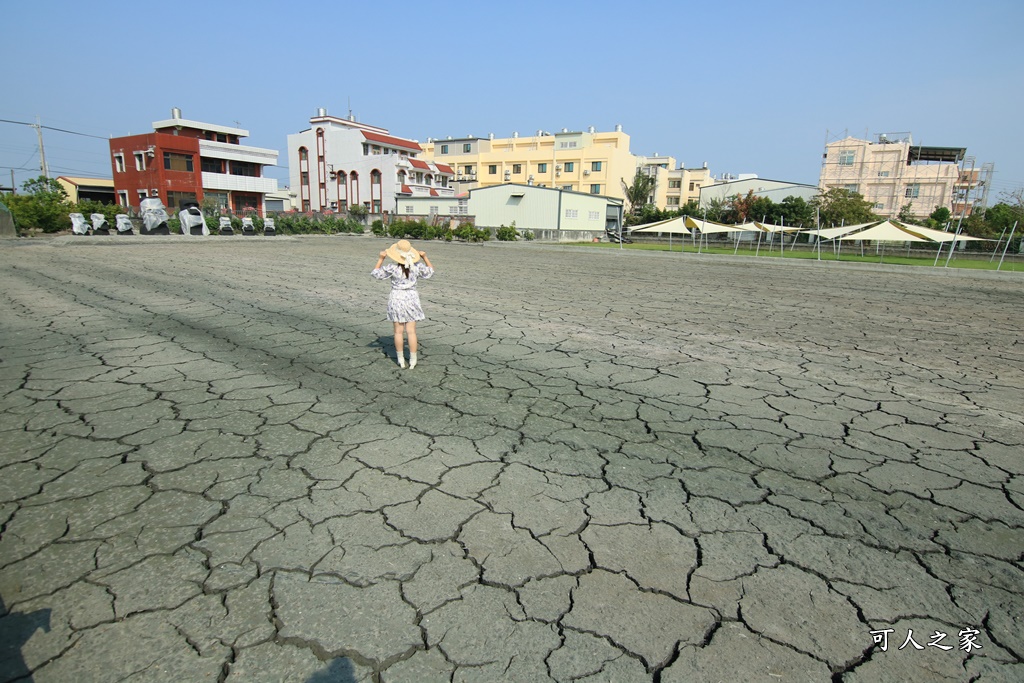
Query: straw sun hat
402	253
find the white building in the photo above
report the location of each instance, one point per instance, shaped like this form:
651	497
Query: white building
339	163
775	190
550	212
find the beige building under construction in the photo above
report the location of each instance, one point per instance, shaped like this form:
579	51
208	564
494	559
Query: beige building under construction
892	172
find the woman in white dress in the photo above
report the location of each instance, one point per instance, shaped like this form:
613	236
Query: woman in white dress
404	308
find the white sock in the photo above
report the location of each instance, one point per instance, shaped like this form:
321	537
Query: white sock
401	359
412	360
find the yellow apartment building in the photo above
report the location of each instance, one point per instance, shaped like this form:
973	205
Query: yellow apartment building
588	161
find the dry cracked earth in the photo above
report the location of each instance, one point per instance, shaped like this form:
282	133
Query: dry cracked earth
608	466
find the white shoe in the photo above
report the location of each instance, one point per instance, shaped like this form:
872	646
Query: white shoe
401	361
412	360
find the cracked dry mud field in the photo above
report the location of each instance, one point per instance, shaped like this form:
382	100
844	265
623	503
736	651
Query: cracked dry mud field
608	466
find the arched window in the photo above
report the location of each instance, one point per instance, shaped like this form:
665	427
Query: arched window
303	154
375	177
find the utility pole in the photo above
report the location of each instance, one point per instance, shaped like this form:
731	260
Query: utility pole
42	153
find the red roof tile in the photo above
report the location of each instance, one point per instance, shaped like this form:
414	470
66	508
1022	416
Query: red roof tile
393	141
419	164
444	168
406	190
433	193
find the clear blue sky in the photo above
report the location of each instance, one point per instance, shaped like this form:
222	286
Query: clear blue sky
748	87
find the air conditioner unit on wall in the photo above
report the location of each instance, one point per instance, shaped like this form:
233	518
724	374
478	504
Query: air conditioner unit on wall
586	172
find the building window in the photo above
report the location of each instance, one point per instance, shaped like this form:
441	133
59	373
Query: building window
492	169
305	205
178	162
140	161
122	198
595	165
119	163
211	165
672	201
468	170
675	184
567	145
913	191
143	194
517	169
245	168
595	189
692	186
594	215
175	200
366	150
542	168
572	213
304	178
303	154
408	208
852	188
467	148
376	206
883	174
221	198
375	177
444	149
879	205
846	157
569	166
567	187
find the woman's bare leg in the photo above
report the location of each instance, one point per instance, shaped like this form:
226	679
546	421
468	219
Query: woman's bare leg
400	344
410	330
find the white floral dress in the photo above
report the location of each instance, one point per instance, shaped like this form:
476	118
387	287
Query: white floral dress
404	301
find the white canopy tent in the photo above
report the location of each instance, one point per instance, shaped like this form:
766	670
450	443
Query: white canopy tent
832	233
707	227
886	231
941	237
673	226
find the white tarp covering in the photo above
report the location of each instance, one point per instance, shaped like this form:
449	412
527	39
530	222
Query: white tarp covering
191	218
124	224
886	231
673	226
78	224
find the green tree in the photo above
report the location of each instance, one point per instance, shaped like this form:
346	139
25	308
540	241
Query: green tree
940	215
840	206
795	211
638	194
714	209
906	214
43	205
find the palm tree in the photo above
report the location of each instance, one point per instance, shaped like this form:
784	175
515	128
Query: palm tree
638	194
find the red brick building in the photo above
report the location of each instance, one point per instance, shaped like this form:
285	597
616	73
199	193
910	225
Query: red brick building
189	161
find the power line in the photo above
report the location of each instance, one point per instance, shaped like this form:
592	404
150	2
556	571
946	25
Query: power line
61	130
